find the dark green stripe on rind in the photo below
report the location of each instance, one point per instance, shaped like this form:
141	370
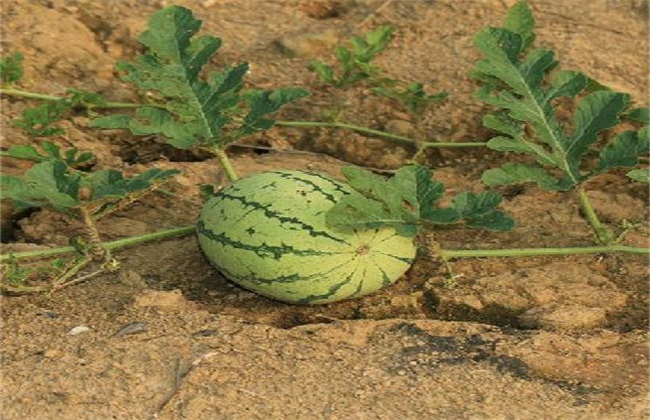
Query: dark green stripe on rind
359	290
331	292
406	260
274	215
252	281
316	188
262	250
392	237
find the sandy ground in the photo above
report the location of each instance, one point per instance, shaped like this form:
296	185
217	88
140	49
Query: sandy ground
167	337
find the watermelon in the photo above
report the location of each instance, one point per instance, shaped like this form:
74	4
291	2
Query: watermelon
267	233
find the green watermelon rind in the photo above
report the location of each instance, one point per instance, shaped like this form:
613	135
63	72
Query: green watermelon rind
267	233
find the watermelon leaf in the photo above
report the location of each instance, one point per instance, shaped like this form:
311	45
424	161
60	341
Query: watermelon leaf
624	150
640	175
11	68
355	62
520	21
112	184
188	110
49	152
641	115
46	184
409	201
521	82
479	210
53	183
39	121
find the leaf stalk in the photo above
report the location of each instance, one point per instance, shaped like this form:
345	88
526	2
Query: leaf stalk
604	235
225	163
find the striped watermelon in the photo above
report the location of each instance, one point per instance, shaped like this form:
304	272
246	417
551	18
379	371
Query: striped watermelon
267	233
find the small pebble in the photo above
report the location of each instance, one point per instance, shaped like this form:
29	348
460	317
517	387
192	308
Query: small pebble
48	314
205	333
79	329
132	328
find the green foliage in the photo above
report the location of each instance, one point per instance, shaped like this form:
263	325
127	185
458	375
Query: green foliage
49	152
39	121
641	115
20	278
520	21
519	83
52	183
641	175
355	62
78	98
409	200
355	66
11	68
412	96
13	274
46	184
188	110
624	150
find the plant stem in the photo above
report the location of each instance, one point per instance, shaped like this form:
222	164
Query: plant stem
398	138
97	249
43	97
225	163
360	129
532	252
62	280
603	234
120	243
444	253
30	95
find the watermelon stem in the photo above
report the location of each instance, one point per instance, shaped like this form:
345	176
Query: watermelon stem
379	133
225	163
445	254
95	246
119	243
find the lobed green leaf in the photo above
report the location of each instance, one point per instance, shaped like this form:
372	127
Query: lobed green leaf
190	111
520	82
39	121
515	173
596	112
624	150
520	21
51	152
479	211
263	103
46	184
409	200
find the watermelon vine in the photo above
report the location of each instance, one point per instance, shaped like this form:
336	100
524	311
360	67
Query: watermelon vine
302	237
